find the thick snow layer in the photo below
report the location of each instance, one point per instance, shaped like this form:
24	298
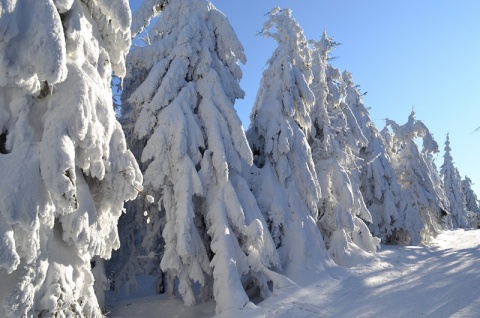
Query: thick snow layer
439	280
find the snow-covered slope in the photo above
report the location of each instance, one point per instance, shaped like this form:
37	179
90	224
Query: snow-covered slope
439	280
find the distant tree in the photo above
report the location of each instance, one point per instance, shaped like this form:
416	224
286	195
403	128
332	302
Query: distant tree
178	103
336	140
379	185
65	170
453	187
420	210
285	181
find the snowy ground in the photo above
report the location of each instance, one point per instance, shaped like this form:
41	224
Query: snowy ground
440	280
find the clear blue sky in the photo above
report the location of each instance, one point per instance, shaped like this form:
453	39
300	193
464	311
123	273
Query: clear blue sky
423	54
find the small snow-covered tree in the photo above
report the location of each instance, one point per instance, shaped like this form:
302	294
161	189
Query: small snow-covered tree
420	209
336	142
179	96
64	165
285	181
379	185
453	187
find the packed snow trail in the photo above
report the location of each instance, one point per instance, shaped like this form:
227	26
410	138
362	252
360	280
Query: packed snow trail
439	280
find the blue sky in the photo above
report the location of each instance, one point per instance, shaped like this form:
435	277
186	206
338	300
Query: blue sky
406	54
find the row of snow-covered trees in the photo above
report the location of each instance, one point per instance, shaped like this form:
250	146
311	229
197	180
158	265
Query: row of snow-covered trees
312	179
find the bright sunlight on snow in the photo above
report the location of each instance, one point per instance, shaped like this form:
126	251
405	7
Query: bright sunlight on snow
438	280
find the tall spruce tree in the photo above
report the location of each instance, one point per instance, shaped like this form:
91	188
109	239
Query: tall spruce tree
285	182
64	165
453	187
336	142
179	98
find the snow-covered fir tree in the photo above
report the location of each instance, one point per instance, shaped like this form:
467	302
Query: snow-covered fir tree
285	181
421	210
336	142
429	153
65	169
471	199
379	185
472	203
179	96
453	187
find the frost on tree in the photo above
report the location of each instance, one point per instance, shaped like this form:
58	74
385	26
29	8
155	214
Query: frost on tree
64	165
453	187
285	182
379	185
421	209
336	142
179	96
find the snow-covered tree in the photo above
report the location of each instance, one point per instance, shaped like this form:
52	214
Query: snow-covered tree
421	209
141	227
379	185
471	202
285	181
336	142
471	199
429	153
148	10
179	96
64	165
453	186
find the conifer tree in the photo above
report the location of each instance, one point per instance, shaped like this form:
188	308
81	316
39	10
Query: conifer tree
420	211
336	142
471	202
453	187
179	98
471	199
379	185
285	182
65	168
429	153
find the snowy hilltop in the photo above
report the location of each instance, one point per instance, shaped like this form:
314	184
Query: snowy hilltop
130	185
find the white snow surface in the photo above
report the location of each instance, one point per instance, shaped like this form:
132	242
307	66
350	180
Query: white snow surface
438	280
